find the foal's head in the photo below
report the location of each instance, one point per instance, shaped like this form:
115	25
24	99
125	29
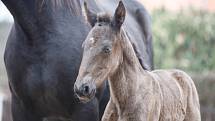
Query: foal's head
102	52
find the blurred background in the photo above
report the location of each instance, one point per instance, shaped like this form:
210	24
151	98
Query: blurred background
183	38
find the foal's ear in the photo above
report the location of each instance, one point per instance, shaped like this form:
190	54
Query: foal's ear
119	16
91	16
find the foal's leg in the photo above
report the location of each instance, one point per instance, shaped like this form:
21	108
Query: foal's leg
193	106
21	113
110	113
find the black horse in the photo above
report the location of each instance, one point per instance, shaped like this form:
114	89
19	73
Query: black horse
43	55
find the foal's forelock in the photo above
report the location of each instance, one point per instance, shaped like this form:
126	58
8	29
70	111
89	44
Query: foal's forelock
73	5
104	17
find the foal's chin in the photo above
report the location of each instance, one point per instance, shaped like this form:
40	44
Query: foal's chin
85	99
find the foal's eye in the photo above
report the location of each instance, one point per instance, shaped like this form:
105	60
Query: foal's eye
107	49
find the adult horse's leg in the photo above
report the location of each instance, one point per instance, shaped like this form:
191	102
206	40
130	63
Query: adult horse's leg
20	112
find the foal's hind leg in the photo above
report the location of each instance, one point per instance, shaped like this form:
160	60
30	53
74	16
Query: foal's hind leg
193	110
20	113
193	106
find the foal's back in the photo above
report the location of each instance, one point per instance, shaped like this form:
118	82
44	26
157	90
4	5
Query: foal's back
179	98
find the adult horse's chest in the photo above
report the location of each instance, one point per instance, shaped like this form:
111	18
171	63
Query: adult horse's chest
44	75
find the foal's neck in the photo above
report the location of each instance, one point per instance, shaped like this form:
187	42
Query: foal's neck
124	81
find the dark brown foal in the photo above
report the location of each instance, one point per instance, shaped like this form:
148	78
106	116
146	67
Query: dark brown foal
136	94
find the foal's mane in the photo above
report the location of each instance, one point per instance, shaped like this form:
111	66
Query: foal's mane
73	5
129	49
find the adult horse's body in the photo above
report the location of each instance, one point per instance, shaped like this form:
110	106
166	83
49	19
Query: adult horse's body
136	94
43	55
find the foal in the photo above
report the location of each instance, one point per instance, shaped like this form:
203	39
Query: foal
136	94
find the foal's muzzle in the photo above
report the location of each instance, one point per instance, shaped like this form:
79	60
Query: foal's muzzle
85	91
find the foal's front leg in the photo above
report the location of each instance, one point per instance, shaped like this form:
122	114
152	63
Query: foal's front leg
110	113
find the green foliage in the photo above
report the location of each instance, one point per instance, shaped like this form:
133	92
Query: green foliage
184	40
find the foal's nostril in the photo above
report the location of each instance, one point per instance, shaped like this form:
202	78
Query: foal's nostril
86	90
